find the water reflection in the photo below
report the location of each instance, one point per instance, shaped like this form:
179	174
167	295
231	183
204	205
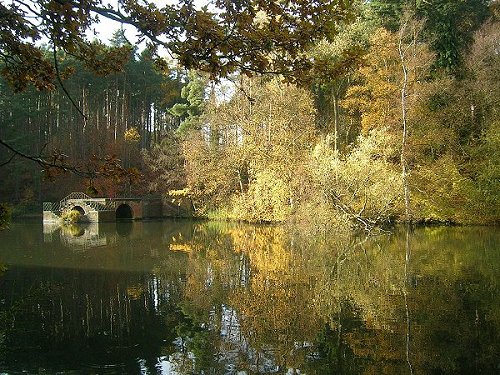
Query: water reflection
183	298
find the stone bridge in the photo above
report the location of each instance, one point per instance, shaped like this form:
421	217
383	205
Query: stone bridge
102	209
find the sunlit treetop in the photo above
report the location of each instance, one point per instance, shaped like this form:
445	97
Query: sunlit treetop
246	36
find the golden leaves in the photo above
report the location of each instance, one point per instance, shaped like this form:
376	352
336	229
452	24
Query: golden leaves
131	135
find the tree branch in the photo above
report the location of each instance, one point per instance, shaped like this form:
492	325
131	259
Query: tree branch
8	161
59	80
43	162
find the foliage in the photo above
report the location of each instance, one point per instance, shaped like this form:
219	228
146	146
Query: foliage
375	94
247	36
131	135
210	176
363	186
404	85
194	95
450	27
487	187
46	123
387	13
243	141
71	217
4	215
453	143
267	199
335	63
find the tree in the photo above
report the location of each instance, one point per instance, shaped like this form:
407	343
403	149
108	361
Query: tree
246	36
373	95
449	28
37	122
249	149
189	111
363	186
165	165
334	64
387	13
449	25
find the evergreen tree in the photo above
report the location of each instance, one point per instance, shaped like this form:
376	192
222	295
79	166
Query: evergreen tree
189	111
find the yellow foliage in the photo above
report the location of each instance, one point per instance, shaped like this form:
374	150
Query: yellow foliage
267	199
179	193
362	183
376	94
444	194
185	248
71	217
248	151
131	135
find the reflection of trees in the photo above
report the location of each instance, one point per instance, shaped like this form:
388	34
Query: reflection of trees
275	309
119	304
343	304
450	307
250	290
85	315
255	298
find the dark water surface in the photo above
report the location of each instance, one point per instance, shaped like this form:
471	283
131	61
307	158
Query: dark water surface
210	298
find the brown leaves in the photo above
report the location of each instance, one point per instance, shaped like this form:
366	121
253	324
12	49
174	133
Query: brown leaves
104	60
246	36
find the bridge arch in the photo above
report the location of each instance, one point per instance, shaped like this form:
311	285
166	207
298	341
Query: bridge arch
124	211
79	209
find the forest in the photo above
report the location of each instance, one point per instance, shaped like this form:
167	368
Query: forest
388	111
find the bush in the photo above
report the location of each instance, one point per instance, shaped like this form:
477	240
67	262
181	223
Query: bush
362	185
71	217
267	199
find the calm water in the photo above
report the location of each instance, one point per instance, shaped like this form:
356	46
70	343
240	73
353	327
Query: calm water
209	298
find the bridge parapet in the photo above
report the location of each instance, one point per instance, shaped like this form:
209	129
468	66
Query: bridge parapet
103	209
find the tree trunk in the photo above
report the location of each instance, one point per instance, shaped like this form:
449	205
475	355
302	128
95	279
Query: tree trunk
404	94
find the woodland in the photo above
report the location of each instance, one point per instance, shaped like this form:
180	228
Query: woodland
312	113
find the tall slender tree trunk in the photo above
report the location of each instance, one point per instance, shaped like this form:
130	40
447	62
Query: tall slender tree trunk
404	138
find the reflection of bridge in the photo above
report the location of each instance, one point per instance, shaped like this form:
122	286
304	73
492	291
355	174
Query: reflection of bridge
77	236
102	209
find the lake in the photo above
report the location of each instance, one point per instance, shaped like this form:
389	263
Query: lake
184	297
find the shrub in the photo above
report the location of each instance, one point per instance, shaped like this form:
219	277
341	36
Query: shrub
70	217
364	184
267	199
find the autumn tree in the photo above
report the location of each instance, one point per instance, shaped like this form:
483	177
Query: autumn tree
251	147
335	63
246	37
456	142
374	94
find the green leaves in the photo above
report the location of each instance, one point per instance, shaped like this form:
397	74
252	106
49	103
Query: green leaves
189	111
